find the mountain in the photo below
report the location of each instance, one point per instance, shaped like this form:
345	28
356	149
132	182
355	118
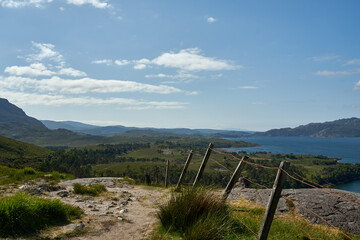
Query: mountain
134	131
9	113
348	127
69	125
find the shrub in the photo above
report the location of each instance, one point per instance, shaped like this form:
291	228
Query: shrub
22	214
92	190
197	213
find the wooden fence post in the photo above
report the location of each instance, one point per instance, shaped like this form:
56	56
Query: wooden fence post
188	160
167	173
234	178
203	164
273	201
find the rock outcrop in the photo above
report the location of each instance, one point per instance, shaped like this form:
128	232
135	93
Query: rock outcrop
340	208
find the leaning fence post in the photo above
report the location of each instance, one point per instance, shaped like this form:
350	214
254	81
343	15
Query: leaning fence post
167	173
273	201
234	178
203	164
188	160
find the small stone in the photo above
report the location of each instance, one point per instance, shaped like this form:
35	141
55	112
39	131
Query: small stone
114	199
79	200
95	210
120	218
74	226
63	194
90	206
122	211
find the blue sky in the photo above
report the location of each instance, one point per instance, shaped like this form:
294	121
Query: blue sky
252	65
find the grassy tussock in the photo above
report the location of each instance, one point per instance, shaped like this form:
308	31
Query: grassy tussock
22	214
196	214
92	190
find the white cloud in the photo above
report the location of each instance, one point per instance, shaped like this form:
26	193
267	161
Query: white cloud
357	85
103	61
71	72
120	62
94	3
192	93
248	87
140	66
353	62
180	75
45	51
23	99
42	3
211	20
324	58
326	73
191	60
85	85
34	70
23	3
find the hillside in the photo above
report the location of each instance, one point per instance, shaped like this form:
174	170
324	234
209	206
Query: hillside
16	152
349	127
9	113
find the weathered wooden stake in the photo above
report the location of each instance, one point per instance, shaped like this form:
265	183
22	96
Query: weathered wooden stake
273	201
167	173
188	160
234	178
203	164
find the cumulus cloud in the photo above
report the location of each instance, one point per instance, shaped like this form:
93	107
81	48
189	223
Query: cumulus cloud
211	20
120	62
42	3
103	61
85	85
21	98
45	51
34	70
139	66
191	60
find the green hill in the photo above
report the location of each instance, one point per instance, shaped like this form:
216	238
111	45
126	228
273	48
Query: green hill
13	152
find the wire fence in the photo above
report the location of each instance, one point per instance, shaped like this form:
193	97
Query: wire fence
297	205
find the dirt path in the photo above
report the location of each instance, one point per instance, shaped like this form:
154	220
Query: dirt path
125	212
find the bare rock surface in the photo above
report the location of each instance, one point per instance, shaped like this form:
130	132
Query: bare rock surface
340	208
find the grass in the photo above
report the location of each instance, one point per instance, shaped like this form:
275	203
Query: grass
12	175
196	214
92	190
199	214
22	214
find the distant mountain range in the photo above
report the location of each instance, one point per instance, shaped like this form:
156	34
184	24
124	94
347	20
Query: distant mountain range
348	127
15	124
134	131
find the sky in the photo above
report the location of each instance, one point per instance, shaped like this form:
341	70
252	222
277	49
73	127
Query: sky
252	65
